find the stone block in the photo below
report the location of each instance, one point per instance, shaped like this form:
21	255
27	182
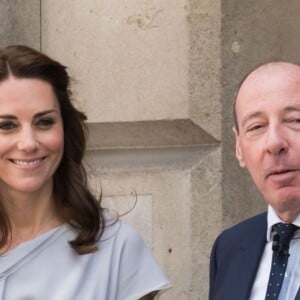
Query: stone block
135	210
185	205
129	59
20	23
169	192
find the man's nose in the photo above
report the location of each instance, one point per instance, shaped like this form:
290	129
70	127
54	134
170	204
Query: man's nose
27	140
277	141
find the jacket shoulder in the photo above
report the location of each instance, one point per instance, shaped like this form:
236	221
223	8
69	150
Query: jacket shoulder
258	222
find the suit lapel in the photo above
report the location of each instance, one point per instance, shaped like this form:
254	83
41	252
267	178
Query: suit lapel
251	250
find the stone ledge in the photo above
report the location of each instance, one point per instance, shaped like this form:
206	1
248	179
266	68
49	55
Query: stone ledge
147	135
147	159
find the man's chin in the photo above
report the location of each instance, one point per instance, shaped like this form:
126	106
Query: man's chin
287	208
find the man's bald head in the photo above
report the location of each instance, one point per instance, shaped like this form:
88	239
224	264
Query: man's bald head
281	70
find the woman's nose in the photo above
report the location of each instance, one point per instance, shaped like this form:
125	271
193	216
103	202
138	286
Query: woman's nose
27	141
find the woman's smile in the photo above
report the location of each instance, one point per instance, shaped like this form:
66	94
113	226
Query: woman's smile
28	162
31	135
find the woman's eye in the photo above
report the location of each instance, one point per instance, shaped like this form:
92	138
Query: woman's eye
7	126
45	123
295	121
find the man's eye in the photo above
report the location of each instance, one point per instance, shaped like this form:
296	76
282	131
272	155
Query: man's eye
255	127
7	126
45	122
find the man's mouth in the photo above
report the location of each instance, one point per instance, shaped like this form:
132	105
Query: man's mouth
280	172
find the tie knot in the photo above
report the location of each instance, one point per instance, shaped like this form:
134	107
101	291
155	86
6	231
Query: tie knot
285	232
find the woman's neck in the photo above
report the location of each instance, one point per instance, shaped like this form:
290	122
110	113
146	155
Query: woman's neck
29	216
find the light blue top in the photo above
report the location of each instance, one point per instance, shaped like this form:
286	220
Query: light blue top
47	268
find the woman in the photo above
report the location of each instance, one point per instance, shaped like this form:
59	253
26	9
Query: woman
56	241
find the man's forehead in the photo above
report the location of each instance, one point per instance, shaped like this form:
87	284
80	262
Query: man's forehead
277	80
273	70
270	78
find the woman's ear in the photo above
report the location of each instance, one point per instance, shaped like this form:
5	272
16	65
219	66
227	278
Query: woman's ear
238	150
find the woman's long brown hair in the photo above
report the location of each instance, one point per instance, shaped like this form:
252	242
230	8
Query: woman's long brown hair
74	199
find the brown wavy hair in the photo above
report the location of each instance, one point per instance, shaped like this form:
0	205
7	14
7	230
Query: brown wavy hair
76	203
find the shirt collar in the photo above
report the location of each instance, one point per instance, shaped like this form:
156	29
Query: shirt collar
273	219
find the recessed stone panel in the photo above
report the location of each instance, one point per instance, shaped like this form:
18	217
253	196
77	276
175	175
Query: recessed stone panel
169	193
135	210
129	58
185	209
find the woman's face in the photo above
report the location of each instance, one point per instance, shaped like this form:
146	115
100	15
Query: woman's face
31	136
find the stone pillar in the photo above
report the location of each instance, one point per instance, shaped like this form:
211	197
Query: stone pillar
20	23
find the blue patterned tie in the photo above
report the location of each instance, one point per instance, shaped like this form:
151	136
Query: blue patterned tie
281	244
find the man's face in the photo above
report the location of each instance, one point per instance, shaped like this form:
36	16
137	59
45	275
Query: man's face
268	142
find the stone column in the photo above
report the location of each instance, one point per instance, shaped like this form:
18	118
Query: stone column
20	23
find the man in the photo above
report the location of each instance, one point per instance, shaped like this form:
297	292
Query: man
257	259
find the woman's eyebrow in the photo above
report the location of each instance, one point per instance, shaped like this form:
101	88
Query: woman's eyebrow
42	113
37	115
10	117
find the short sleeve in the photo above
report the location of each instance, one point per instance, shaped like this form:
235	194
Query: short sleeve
139	274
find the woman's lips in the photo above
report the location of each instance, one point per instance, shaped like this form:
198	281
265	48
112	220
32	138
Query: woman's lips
28	162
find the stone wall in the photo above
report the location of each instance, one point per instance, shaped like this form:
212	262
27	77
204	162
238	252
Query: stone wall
148	75
20	23
157	80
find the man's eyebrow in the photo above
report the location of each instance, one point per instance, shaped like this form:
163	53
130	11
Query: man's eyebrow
250	116
292	108
258	114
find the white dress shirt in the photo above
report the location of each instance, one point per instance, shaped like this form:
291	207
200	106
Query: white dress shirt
291	282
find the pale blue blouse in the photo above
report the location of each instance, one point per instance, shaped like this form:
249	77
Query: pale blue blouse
47	268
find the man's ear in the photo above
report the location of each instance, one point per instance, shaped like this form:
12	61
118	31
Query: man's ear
238	150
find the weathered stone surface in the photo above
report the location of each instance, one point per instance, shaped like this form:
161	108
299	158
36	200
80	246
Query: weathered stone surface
147	134
204	19
170	193
135	210
130	59
206	218
20	23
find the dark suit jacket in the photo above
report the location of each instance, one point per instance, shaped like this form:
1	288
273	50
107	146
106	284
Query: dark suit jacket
235	258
